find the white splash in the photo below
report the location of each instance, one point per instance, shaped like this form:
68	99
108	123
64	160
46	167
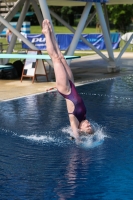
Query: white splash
94	140
38	138
87	141
90	141
68	130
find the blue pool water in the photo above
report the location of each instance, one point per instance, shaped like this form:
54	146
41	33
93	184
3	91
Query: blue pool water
38	161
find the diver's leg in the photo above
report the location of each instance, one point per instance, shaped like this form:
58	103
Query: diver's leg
69	72
62	80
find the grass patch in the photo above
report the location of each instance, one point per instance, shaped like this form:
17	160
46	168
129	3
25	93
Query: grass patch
84	53
62	29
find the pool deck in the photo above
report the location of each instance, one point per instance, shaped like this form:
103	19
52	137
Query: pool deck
86	69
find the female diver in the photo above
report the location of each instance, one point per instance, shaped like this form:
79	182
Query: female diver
65	85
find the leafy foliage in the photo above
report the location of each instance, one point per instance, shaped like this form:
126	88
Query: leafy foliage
120	16
66	13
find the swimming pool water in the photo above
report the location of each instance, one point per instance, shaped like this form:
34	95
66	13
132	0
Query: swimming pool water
39	161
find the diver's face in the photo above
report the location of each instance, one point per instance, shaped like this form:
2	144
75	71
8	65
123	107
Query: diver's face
85	126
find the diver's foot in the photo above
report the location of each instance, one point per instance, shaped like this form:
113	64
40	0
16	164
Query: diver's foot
45	27
49	25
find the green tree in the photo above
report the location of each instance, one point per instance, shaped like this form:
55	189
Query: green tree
57	10
66	13
120	16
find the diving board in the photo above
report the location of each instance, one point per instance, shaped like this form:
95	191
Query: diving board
34	65
29	56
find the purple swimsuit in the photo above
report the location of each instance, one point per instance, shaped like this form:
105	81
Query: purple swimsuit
80	109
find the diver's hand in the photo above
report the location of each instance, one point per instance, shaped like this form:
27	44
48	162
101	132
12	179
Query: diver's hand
78	140
75	136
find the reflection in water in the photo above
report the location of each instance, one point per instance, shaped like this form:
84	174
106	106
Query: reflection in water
77	175
77	160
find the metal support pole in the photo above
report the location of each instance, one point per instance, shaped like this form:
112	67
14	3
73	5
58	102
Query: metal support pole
106	17
45	10
19	25
37	12
79	29
124	48
112	65
81	37
19	35
12	13
90	18
46	15
105	31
